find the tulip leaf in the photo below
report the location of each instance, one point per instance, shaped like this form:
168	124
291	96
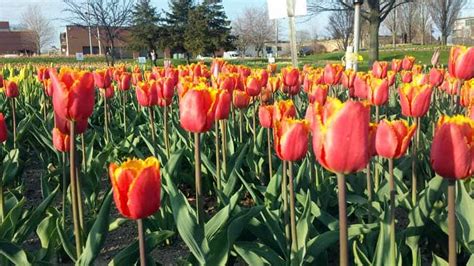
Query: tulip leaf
130	254
97	234
438	261
464	211
237	164
255	253
384	252
10	166
13	253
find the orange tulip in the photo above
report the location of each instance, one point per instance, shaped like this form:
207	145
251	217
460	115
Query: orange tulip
137	187
379	69
252	85
372	134
347	78
73	94
271	68
274	83
361	84
3	129
415	99
406	75
451	85
223	99
42	74
136	78
283	109
63	125
467	93
393	137
452	156
60	140
436	76
124	81
461	60
378	91
417	69
11	89
265	115
311	111
102	78
318	93
197	109
291	139
407	62
266	96
333	73
391	77
147	93
291	80
341	136
421	79
240	99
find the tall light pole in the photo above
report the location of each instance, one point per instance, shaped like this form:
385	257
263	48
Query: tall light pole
290	4
357	6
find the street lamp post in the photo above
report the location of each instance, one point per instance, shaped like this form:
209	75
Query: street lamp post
357	6
291	18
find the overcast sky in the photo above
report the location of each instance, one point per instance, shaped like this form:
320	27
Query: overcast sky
11	10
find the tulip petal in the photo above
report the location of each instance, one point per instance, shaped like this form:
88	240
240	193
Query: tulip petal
144	193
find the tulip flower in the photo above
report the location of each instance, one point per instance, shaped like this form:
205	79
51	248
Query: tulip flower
266	96
396	65
291	139
60	140
11	88
197	109
420	79
1	81
379	69
393	137
136	78
378	91
417	69
102	78
451	85
291	80
73	94
311	111
109	91
216	66
467	93
271	68
274	83
283	109
63	125
42	74
265	115
460	62
415	99
406	75
137	187
318	93
3	129
436	76
372	137
333	73
263	77
361	84
147	93
391	77
241	99
227	82
124	81
347	78
165	91
340	136
407	62
223	100
252	85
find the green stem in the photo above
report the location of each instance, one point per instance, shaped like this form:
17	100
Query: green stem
64	187
124	107
343	240
2	203
294	237
452	222
197	165
369	192
141	242
13	105
414	181
152	125
83	149
218	161
269	151
254	122
165	124
284	194
224	145
392	211
240	125
72	176
106	119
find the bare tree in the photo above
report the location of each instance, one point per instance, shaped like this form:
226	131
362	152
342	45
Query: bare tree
43	32
444	13
253	27
374	11
391	24
406	18
341	27
425	19
111	16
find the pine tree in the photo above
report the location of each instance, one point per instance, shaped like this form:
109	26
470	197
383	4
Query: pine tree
219	26
146	32
196	32
176	23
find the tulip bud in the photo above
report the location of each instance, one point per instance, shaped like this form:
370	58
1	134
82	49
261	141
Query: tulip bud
60	140
266	96
252	85
137	187
407	76
102	78
396	65
378	91
291	139
391	76
461	60
223	99
393	138
318	93
452	156
3	129
407	62
361	84
63	125
197	109
420	79
415	99
147	93
11	89
333	73
283	109
436	76
124	81
379	69
241	99
265	115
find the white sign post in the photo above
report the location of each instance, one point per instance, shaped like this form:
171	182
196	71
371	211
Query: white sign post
142	60
79	56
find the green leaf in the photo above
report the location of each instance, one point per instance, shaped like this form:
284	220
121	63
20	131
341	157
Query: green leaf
130	254
10	166
232	180
66	241
14	253
254	253
438	261
384	252
464	212
97	234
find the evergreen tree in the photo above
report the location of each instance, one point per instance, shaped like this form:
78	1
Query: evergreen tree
146	32
196	32
176	23
218	27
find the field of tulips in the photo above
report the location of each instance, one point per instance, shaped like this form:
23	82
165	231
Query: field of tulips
311	166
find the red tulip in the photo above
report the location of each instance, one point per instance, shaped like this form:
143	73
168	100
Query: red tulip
372	134
467	93
361	84
63	125
124	81
341	136
136	78
137	187
391	77
378	91
266	96
291	139
291	80
42	74
436	76
318	93
407	62
347	78
452	155
165	91
11	89
461	60
197	109
311	111
240	99
379	69
3	129
451	85
102	78
147	93
60	140
396	65
406	75
73	94
265	115
263	77
274	83
415	99
252	85
283	109
333	73
1	81
223	100
393	138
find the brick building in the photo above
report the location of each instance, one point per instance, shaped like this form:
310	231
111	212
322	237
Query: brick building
463	32
20	42
76	40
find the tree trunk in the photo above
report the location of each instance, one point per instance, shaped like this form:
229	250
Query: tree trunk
374	26
444	39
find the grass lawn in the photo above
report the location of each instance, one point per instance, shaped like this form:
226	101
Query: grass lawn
422	53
